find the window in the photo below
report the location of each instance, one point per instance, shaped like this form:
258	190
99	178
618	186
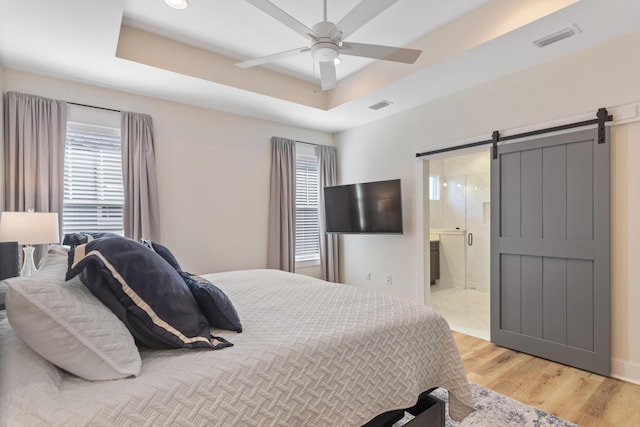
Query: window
307	220
434	187
93	188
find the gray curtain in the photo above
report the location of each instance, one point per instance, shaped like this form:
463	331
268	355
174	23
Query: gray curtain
327	176
141	207
35	130
281	253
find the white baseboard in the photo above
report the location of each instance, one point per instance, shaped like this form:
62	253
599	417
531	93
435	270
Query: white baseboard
625	371
450	283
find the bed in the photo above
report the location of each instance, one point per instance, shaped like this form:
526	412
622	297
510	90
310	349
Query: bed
311	353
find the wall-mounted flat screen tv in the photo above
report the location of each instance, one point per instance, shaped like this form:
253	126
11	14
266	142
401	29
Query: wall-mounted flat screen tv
369	207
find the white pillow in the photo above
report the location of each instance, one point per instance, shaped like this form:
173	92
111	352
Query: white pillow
67	325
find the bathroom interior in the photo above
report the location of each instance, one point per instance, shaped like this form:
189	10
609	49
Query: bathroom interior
459	210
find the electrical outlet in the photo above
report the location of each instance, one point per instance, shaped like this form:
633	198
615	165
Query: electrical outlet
368	275
389	279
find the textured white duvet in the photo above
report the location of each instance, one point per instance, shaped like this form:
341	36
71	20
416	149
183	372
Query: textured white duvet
311	354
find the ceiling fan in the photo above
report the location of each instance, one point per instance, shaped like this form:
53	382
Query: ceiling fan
327	39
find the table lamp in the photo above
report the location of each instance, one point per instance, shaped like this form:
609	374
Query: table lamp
28	229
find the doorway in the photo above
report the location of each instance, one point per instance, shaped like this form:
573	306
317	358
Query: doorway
459	229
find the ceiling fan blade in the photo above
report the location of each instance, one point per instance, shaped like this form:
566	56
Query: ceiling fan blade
364	12
269	58
282	16
387	53
328	78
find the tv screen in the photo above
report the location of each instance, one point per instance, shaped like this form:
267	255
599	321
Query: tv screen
370	207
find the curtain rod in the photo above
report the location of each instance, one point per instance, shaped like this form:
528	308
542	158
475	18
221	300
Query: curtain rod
94	106
308	143
602	117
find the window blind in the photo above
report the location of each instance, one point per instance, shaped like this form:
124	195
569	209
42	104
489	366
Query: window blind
93	187
307	220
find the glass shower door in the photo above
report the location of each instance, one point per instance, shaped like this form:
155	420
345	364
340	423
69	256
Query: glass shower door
447	210
477	232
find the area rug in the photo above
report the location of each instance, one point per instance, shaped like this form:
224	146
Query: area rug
495	410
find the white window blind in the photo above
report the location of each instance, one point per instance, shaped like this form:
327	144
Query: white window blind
93	187
307	221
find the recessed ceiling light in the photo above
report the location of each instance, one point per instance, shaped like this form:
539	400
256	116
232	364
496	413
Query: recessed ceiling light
177	4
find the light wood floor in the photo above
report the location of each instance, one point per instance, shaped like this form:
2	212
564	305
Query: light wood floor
580	397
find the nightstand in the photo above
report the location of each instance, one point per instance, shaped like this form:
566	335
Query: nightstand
9	266
3	293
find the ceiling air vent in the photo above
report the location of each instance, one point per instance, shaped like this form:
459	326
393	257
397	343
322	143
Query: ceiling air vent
557	36
380	105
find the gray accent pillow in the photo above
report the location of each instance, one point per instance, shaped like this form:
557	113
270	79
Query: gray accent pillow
164	252
214	304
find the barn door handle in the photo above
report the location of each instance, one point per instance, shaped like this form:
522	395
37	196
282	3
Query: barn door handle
470	239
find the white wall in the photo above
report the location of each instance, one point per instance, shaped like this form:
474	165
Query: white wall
213	172
625	251
606	75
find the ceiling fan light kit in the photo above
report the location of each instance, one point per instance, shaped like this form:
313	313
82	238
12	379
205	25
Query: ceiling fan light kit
324	48
327	39
324	51
177	4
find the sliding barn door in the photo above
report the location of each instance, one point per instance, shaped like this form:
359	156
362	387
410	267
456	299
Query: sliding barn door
550	249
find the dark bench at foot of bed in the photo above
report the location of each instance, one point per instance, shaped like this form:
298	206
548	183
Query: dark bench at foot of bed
428	412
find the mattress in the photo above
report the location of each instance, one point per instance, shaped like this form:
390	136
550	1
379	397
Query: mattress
312	353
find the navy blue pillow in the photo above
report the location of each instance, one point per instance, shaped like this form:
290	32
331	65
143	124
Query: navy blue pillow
164	252
144	292
214	304
75	239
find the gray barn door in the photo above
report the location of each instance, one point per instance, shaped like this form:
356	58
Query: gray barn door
550	249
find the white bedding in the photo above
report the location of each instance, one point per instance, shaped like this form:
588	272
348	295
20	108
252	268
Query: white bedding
311	354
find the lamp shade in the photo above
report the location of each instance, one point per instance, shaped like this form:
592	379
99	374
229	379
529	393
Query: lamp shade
29	228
